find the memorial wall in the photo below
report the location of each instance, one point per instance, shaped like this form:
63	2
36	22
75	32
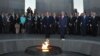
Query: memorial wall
12	5
54	5
92	5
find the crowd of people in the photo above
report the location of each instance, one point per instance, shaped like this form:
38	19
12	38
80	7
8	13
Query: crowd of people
49	23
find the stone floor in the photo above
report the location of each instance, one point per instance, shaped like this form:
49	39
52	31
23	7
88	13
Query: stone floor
35	36
15	37
24	54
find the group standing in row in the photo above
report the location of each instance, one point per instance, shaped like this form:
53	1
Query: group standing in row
49	23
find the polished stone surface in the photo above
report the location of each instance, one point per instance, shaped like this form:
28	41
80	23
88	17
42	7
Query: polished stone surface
24	54
41	36
81	44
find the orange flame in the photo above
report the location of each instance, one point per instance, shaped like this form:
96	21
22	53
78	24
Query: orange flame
45	46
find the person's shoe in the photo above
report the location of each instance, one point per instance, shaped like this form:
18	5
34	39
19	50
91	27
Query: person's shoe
62	39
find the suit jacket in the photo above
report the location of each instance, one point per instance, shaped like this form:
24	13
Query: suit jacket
84	21
94	21
54	20
72	20
63	22
1	19
47	21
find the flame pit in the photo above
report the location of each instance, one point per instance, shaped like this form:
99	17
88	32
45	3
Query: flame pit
45	48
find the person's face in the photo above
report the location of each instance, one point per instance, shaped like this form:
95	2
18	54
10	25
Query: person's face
29	8
54	14
42	14
93	14
32	15
47	14
71	15
62	13
84	14
17	15
76	14
6	14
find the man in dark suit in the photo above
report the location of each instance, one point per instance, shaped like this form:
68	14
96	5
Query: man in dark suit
38	24
35	17
77	23
41	24
11	19
47	23
71	24
1	23
55	24
6	23
84	24
37	21
63	24
93	24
